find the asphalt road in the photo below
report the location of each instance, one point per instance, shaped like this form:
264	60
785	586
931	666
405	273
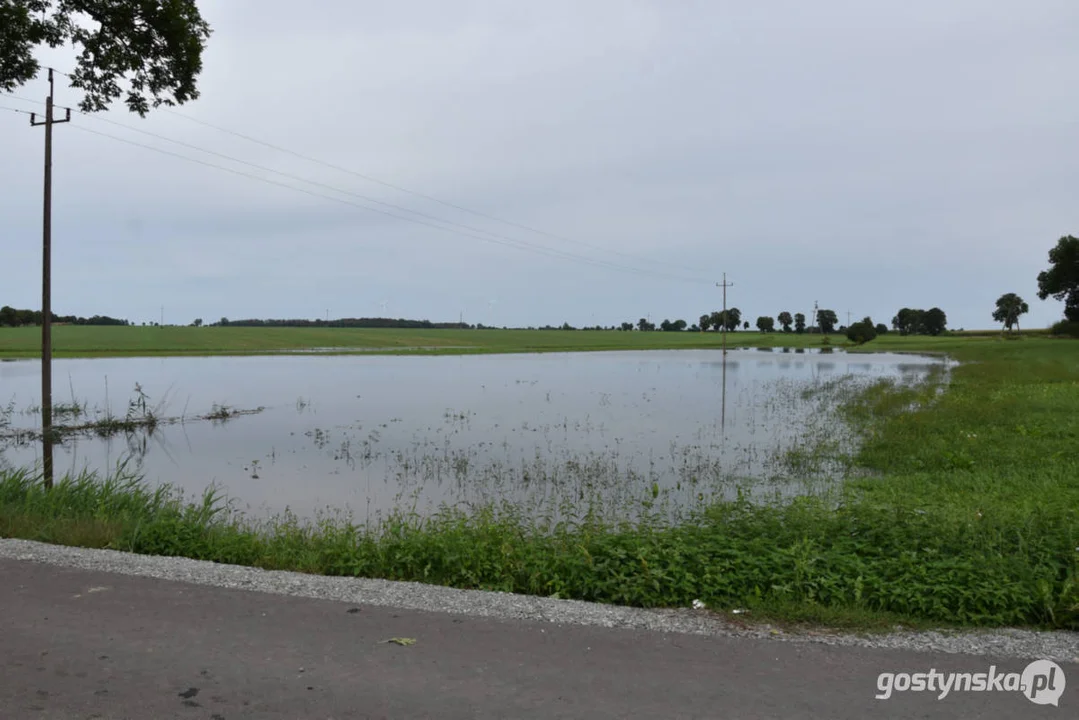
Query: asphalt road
84	644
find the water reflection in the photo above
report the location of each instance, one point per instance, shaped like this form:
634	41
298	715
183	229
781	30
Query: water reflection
369	433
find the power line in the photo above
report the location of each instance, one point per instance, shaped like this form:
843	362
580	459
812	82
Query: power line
508	242
17	110
495	237
415	193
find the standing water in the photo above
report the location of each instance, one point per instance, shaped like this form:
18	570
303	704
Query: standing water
366	434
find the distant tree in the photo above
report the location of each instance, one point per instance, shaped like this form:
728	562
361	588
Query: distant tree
223	322
1061	280
643	325
679	325
881	328
156	45
716	321
862	331
1009	307
934	321
626	326
694	328
909	322
567	326
705	322
198	322
826	320
766	324
733	319
745	325
785	320
7	316
799	323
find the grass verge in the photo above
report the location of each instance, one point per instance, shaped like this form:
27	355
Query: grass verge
965	511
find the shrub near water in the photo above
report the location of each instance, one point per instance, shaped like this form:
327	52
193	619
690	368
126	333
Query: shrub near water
969	518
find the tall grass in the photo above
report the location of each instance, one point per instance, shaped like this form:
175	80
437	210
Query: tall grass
964	510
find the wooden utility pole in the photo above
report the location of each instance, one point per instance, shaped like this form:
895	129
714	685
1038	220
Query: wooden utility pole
46	289
723	329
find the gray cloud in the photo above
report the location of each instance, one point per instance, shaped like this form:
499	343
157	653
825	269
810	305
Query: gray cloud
860	155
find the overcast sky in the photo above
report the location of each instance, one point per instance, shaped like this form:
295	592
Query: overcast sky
866	156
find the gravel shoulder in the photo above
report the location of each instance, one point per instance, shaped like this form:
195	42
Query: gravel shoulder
1060	646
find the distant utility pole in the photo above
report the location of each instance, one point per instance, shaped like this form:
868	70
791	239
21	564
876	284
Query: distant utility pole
46	288
723	329
162	323
848	318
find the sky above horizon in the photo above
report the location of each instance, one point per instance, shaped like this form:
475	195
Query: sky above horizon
596	163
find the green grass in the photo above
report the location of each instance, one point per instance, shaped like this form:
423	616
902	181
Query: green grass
87	341
965	512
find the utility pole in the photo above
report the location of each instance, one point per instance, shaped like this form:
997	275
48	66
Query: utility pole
723	329
848	318
46	288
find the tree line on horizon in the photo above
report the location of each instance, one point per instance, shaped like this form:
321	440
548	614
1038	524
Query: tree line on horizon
14	317
906	322
1061	281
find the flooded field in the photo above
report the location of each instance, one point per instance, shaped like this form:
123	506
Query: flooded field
363	434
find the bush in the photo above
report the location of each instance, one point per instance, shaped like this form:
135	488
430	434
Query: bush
881	328
862	331
1066	328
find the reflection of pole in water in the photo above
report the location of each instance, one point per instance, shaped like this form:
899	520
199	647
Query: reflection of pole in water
723	395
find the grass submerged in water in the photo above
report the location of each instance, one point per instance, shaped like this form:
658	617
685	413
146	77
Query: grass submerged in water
965	511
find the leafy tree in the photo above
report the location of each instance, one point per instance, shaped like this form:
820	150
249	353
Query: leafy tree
198	322
1009	307
678	325
223	322
7	316
155	45
934	321
665	325
705	322
766	324
826	320
643	325
626	326
716	321
785	320
909	322
729	322
881	328
745	325
799	323
862	331
1061	280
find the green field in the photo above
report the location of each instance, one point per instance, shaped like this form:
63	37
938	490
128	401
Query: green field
963	511
85	341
